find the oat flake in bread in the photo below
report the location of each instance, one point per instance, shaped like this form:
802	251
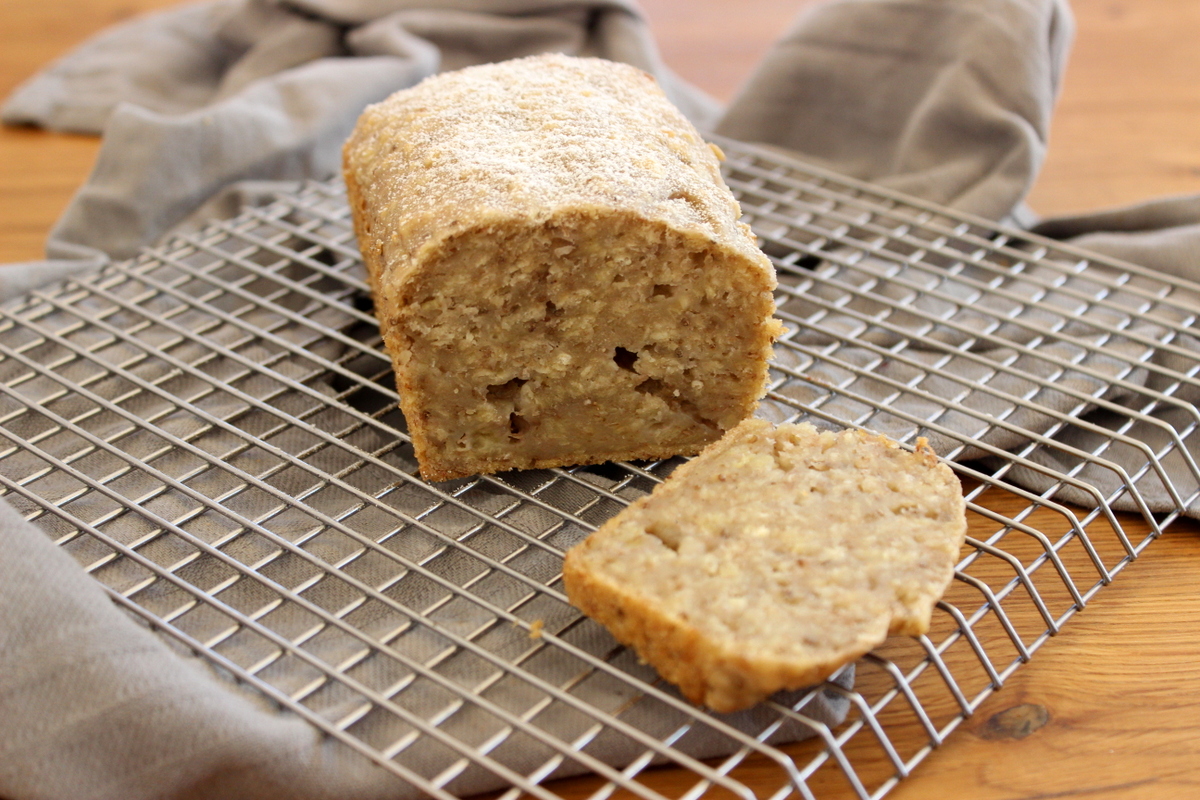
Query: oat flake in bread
772	559
559	271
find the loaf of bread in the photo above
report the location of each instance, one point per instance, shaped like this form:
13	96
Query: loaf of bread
559	270
772	559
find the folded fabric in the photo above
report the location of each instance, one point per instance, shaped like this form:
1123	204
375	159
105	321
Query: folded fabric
949	102
204	106
191	101
93	705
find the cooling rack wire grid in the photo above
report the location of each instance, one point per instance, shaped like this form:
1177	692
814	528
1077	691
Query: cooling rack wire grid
211	431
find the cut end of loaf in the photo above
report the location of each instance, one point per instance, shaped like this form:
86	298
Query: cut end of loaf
590	337
773	559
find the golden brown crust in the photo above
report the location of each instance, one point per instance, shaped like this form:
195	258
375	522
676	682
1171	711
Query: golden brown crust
773	559
559	271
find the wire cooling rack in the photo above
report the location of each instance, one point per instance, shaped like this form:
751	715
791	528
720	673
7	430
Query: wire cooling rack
211	431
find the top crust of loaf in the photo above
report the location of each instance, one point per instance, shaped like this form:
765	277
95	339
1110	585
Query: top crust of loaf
774	558
463	150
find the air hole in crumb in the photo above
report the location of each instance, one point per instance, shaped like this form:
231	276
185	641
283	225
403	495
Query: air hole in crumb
625	359
662	290
651	386
552	311
655	387
669	538
505	391
618	278
517	425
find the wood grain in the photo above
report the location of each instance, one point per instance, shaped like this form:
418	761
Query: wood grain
1125	129
1120	686
40	171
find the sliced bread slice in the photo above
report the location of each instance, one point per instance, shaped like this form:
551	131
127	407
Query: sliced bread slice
774	558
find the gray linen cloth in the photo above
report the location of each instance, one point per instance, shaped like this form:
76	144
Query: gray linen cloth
205	106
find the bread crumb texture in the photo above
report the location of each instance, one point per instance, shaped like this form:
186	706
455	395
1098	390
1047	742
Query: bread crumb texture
559	270
774	558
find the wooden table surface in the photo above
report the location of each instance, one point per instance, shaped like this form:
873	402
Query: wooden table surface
1121	684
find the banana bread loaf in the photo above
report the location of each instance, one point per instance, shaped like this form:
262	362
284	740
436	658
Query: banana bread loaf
558	268
772	559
